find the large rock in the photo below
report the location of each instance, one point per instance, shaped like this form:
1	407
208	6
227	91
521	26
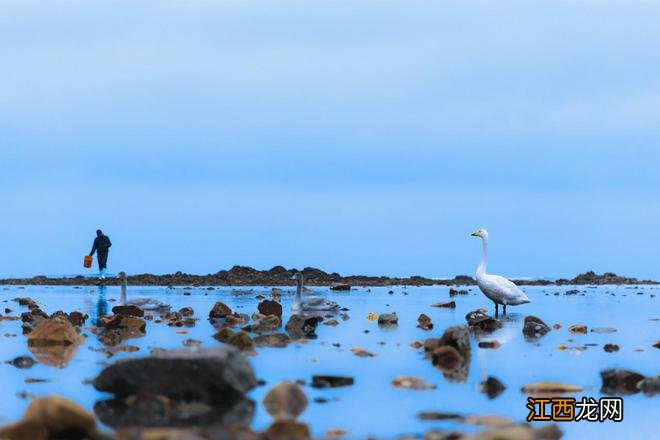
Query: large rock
479	321
128	310
53	417
176	375
278	340
219	310
57	331
388	319
650	385
270	307
264	324
285	401
534	328
451	353
619	382
287	430
301	327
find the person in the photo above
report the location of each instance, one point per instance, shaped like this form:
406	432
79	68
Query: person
101	246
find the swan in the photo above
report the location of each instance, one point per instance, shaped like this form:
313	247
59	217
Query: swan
143	302
311	303
496	288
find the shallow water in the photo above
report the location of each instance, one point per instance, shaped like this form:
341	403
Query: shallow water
372	406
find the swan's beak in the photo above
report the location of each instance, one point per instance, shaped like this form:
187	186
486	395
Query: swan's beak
476	234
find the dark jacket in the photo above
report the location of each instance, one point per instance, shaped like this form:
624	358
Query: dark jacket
101	244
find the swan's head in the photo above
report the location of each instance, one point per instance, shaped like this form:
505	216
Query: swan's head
298	276
121	275
481	233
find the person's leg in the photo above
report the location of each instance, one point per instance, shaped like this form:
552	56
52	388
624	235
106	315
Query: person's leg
103	259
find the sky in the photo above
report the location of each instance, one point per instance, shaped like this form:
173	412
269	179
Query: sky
366	137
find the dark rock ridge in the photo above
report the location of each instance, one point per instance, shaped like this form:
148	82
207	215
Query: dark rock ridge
280	276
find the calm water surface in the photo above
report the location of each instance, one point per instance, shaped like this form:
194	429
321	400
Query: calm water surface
372	406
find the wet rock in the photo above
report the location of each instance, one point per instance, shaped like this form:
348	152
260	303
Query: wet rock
650	385
611	348
603	330
186	311
22	362
416	345
371	316
270	307
521	432
340	287
264	324
534	328
173	373
331	322
300	327
489	344
424	322
223	335
454	292
479	321
361	352
436	415
619	382
219	310
447	358
287	430
278	340
57	331
286	401
388	319
446	305
192	343
240	339
578	329
331	381
657	344
78	318
53	417
550	388
492	387
32	318
128	310
412	383
237	319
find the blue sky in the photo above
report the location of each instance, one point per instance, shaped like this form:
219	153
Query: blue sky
359	137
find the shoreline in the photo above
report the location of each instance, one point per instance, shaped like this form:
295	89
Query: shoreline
280	276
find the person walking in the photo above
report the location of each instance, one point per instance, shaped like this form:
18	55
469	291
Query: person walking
101	246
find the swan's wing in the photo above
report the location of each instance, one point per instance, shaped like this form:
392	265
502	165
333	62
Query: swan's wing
505	289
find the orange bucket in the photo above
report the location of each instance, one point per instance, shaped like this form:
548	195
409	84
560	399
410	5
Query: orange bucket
87	261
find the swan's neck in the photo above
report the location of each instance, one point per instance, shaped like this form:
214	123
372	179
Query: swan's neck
124	288
297	299
481	269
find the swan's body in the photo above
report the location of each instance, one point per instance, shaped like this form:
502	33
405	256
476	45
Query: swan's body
311	303
143	302
496	288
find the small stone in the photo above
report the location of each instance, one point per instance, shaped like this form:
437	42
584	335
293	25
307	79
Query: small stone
447	357
186	311
331	322
578	329
619	382
610	348
603	330
277	340
286	401
361	352
492	387
388	319
489	344
129	310
22	362
372	316
412	383
424	322
445	305
270	307
331	381
340	287
416	344
550	388
534	328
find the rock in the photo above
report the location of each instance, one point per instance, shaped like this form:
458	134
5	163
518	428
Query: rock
286	401
435	415
447	358
287	430
270	307
489	344
22	362
300	327
479	321
424	322
361	352
340	287
521	432
412	383
331	381
331	322
224	334
388	319
534	328
32	318
619	382
77	318
175	374
578	329
264	324
416	345
53	417
454	292
610	348
236	319
57	331
128	310
186	311
492	387
219	310
550	388
371	316
657	344
446	305
192	343
278	340
650	385
240	339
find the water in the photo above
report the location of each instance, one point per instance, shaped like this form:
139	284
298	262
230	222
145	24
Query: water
372	406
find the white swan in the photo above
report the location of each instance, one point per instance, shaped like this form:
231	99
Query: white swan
496	288
311	303
143	302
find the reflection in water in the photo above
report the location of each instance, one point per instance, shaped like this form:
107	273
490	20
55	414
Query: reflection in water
101	306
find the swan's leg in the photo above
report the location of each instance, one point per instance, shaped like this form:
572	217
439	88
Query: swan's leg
504	307
497	311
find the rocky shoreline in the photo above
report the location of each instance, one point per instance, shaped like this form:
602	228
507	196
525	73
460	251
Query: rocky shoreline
280	276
